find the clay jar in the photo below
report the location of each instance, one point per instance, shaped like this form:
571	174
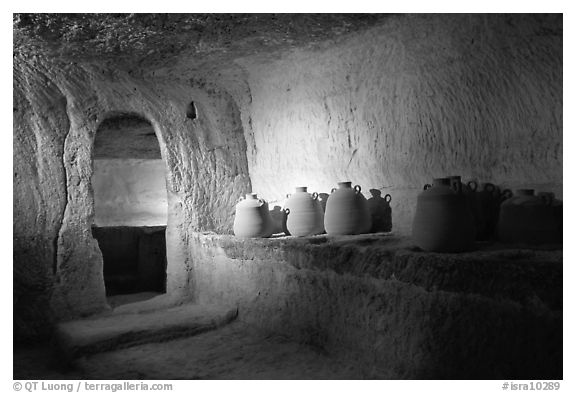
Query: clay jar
304	214
252	218
347	211
527	218
443	221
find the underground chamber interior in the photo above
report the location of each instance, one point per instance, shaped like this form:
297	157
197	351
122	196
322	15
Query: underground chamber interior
130	208
383	105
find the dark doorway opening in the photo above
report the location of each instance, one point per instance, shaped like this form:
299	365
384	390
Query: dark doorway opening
134	258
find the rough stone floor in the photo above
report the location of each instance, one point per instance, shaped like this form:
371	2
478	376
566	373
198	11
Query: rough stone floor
235	351
141	339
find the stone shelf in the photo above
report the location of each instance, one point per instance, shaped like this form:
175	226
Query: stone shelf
379	302
517	272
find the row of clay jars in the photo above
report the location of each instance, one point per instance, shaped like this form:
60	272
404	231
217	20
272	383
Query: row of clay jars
500	214
484	204
346	213
443	221
529	218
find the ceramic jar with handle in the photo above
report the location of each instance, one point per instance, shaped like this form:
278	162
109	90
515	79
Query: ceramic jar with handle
304	214
347	211
443	221
252	218
527	218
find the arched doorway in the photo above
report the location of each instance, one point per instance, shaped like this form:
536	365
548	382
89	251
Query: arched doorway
130	202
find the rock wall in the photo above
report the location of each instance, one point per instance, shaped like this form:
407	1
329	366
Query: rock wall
40	129
57	109
417	97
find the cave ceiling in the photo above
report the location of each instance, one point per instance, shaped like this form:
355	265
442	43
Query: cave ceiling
179	42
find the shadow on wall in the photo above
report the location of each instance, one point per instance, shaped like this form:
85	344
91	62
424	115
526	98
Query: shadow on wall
380	211
278	219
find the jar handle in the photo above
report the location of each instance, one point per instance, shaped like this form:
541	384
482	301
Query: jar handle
388	198
357	188
427	186
506	194
286	211
489	187
472	188
315	195
456	187
331	192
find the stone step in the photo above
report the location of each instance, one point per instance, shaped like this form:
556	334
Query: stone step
114	331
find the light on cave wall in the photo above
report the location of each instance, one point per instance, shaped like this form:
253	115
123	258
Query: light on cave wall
129	174
130	192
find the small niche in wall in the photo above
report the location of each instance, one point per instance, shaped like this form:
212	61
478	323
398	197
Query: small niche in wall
191	111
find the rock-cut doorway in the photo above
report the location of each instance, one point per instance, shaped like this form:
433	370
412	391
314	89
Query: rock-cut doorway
130	202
